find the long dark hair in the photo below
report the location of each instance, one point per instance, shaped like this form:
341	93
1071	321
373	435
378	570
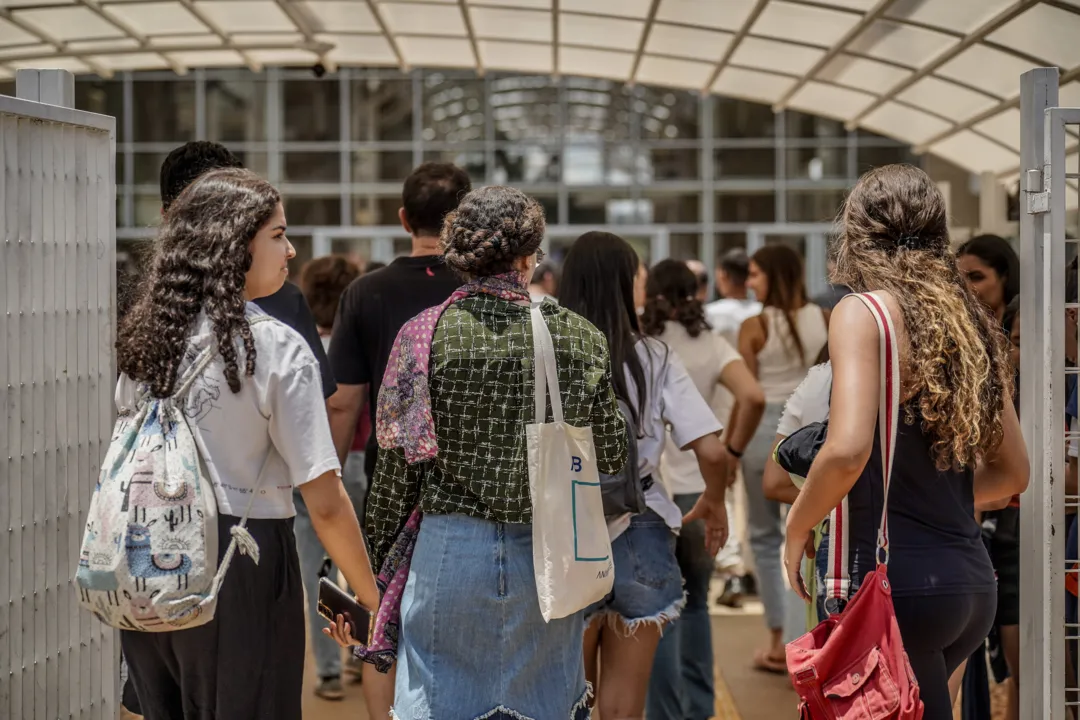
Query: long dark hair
598	284
784	269
200	261
670	294
996	252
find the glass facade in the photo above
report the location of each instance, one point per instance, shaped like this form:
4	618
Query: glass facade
593	152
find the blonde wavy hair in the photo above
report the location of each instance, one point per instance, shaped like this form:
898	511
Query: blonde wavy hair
893	236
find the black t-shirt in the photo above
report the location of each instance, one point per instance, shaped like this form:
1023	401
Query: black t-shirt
371	313
289	306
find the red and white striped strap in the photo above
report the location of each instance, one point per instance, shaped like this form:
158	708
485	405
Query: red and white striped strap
837	578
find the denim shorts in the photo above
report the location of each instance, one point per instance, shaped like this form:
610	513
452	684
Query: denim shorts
648	584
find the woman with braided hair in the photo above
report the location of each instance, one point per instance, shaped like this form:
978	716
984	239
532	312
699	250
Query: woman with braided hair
958	441
455	401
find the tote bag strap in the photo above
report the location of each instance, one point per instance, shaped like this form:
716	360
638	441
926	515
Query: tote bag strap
545	369
838	579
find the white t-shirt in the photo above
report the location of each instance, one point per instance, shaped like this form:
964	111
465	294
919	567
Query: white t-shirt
671	401
705	358
810	401
274	434
727	315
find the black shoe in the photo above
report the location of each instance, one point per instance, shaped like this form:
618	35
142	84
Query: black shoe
749	584
733	593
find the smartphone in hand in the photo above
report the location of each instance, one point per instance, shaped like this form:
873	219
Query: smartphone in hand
334	601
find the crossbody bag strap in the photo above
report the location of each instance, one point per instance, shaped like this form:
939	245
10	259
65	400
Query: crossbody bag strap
888	408
837	577
545	369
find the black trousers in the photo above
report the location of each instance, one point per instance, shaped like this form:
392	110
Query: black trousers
940	632
245	664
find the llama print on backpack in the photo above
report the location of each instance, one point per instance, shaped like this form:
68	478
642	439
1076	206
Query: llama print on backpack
149	559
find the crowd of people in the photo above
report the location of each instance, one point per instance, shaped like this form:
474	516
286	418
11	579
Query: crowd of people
382	394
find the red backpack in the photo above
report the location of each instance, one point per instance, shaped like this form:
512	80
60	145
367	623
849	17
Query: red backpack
853	665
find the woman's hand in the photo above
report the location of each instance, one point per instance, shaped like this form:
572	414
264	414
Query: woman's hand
341	632
795	546
712	510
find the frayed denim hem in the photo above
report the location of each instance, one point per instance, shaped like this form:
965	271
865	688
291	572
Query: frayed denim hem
628	626
580	711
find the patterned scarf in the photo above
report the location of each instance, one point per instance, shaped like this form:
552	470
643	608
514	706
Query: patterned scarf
403	415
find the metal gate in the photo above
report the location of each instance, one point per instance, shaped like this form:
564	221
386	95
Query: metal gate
57	264
1048	641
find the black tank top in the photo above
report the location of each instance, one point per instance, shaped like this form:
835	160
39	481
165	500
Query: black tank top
935	545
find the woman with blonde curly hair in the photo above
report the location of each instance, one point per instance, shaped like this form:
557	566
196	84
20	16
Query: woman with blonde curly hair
455	401
958	441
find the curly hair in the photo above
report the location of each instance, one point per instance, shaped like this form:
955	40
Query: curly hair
492	227
200	262
323	280
670	294
893	236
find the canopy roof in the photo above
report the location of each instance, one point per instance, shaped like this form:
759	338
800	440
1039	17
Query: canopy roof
942	75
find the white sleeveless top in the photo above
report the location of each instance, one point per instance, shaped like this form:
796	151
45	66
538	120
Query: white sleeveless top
780	369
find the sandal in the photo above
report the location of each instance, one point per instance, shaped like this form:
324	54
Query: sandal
767	662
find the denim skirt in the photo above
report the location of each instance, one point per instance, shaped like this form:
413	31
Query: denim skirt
473	643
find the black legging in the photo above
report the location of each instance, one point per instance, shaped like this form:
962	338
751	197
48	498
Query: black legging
940	632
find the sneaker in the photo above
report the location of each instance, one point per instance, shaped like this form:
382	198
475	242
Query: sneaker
330	689
354	670
733	593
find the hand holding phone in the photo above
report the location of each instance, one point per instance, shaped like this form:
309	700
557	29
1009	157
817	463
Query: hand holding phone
342	610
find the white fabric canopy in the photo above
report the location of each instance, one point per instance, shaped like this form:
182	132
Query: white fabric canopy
942	75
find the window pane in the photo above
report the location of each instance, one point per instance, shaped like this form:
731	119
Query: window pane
728	241
597	109
300	210
147	210
376	210
311	167
598	164
872	156
526	164
312	110
164	111
745	162
668	114
524	107
816	163
382	110
598	208
741	119
7	87
813	205
371	166
550	203
471	160
236	110
685	246
746	207
672	164
802	125
105	97
454	109
667	208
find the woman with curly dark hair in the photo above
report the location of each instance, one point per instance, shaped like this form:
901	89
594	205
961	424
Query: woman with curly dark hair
258	417
456	399
958	442
682	676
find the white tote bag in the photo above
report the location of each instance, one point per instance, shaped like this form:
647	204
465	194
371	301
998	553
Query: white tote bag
571	549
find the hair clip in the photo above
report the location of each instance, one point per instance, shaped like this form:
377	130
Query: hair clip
908	242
